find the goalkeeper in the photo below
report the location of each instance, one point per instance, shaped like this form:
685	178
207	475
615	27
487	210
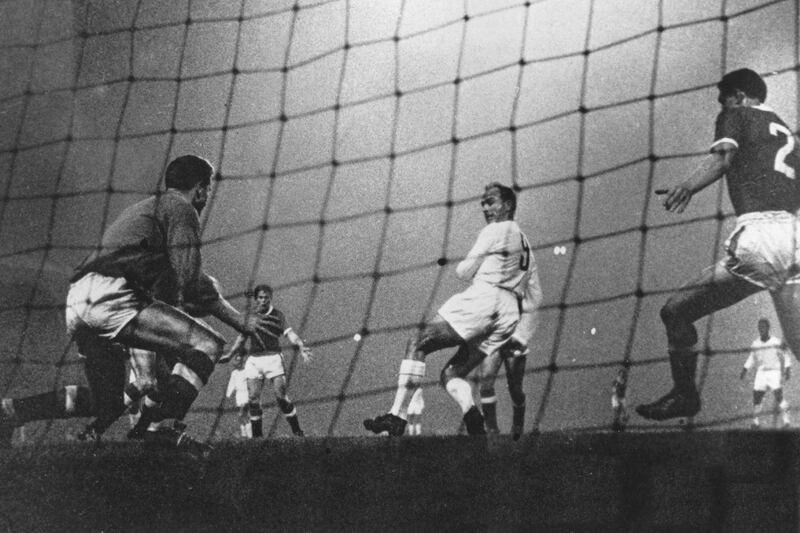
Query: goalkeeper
153	248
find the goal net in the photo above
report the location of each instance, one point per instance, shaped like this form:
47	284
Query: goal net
354	138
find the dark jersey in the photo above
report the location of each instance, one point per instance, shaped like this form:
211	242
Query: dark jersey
763	170
277	327
155	245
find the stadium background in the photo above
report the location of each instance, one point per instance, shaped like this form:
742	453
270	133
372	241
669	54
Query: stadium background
354	138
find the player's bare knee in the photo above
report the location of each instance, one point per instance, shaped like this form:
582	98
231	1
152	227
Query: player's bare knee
450	372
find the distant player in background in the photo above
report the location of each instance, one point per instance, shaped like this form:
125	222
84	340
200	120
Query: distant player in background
415	409
265	361
757	153
619	405
478	320
513	354
237	389
773	366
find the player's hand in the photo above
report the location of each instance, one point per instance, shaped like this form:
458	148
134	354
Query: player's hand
677	198
306	353
260	324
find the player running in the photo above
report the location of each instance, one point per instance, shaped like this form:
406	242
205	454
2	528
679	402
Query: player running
478	320
756	150
773	366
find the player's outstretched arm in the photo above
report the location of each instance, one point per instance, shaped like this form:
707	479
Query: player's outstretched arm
711	168
295	339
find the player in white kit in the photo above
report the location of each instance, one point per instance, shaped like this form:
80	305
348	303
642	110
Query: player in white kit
478	320
237	389
773	365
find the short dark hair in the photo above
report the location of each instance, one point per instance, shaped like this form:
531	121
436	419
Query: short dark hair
262	288
745	80
507	194
186	171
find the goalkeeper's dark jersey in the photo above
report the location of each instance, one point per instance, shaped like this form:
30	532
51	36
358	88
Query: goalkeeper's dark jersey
763	173
155	245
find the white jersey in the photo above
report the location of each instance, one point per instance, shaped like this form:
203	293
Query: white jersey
767	355
237	387
501	257
529	318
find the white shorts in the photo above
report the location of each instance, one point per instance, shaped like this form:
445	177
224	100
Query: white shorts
264	366
417	404
763	249
483	315
617	402
102	304
768	379
242	398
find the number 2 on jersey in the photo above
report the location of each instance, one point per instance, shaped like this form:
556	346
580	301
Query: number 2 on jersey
786	149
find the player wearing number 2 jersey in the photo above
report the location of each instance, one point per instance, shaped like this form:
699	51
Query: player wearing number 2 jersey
757	152
478	320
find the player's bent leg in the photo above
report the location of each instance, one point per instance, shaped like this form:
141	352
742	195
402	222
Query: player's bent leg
453	378
164	329
715	289
288	409
488	371
254	389
105	374
435	335
515	374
